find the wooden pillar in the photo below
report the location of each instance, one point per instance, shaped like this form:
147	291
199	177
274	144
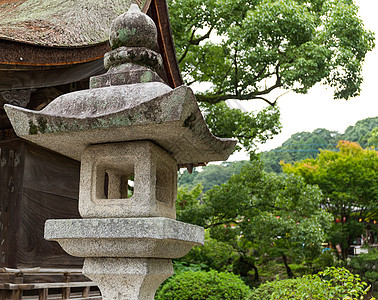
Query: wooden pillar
16	294
43	294
85	293
66	293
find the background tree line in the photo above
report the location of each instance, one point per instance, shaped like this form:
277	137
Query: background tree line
298	147
304	145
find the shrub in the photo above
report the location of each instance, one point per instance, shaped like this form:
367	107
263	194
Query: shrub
214	255
203	285
326	259
331	284
366	265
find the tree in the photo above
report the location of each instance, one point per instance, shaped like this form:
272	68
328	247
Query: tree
373	138
299	146
361	131
248	48
275	214
302	145
349	182
210	175
214	255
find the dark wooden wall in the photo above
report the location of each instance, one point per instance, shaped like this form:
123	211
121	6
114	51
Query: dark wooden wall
35	185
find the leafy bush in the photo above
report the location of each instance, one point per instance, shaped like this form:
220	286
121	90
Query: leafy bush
331	284
203	285
214	255
183	266
326	259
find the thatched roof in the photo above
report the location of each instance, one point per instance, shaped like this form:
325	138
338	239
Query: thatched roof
61	23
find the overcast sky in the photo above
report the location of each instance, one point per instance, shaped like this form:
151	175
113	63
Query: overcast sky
317	109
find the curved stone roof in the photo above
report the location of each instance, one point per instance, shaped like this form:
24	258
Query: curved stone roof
142	111
61	23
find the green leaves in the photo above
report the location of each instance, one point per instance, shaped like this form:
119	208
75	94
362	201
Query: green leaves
278	214
210	285
246	49
348	179
302	145
248	128
332	284
344	35
278	24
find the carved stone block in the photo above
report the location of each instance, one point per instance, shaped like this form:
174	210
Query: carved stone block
131	179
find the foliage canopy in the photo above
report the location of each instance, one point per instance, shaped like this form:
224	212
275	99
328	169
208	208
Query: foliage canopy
248	48
348	179
276	214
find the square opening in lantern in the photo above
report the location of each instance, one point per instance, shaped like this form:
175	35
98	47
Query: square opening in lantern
133	179
115	180
165	183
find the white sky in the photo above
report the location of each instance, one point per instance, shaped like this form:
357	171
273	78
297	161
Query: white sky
317	109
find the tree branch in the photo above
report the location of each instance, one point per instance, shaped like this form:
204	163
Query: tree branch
187	47
213	99
224	79
193	41
200	39
236	70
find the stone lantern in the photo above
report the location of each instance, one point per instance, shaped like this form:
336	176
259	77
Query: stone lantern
130	131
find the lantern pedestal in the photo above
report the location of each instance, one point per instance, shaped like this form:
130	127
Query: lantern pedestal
128	278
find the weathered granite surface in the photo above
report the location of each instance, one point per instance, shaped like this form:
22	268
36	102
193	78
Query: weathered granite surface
126	73
125	237
133	29
127	278
155	181
171	119
133	38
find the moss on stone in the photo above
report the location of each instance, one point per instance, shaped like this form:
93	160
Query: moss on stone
42	122
124	35
33	129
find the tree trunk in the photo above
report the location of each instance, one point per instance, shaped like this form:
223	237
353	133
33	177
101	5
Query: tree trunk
344	252
242	267
256	278
288	269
